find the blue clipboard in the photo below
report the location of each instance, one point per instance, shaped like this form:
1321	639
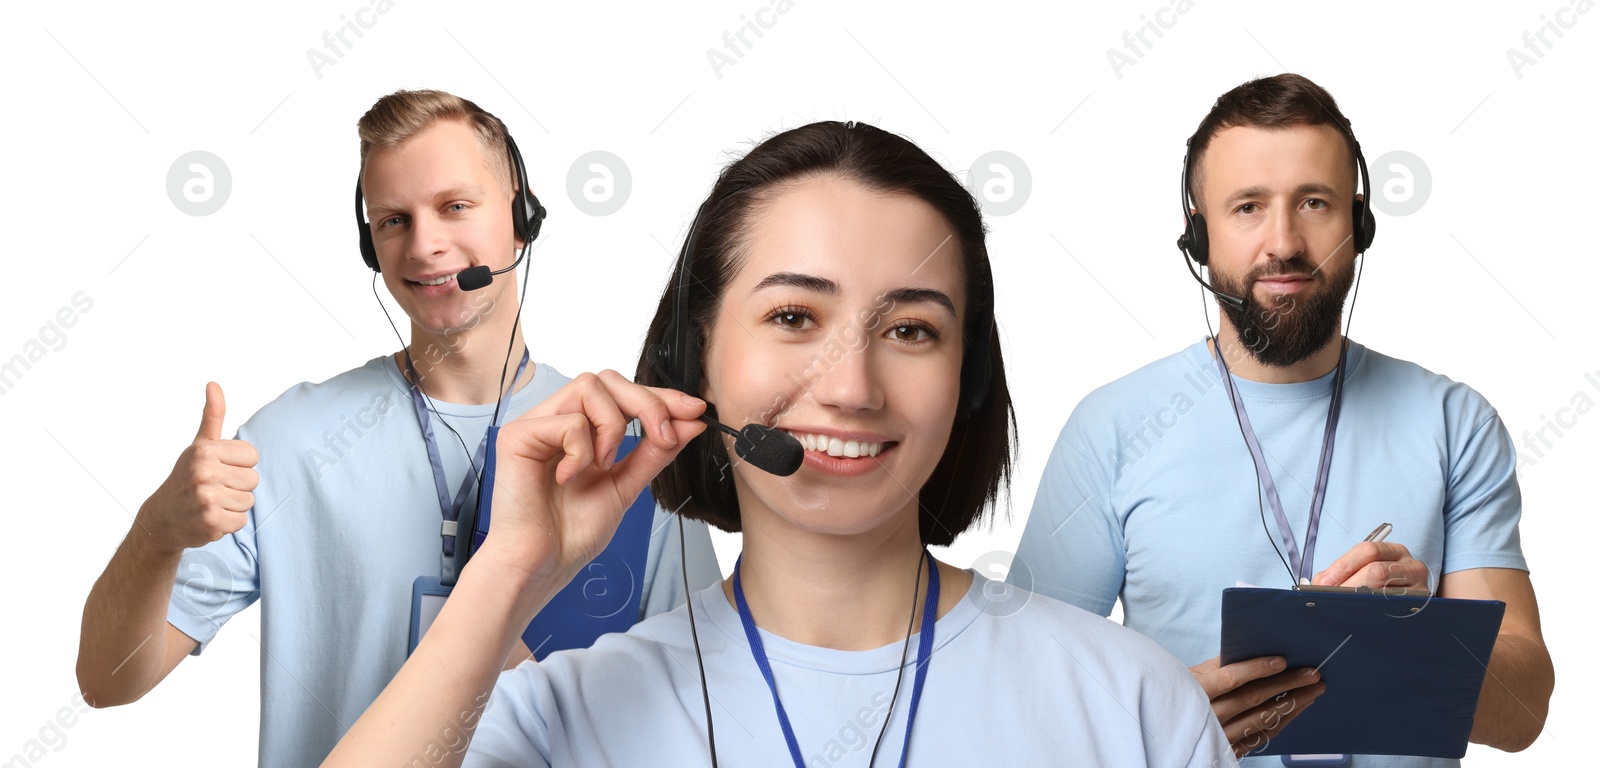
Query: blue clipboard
1403	673
606	594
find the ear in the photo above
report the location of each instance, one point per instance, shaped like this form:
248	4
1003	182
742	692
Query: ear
703	383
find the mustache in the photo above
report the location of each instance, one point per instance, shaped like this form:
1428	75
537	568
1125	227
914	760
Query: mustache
1298	266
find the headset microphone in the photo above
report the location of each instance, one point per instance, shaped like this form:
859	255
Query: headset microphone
770	450
480	277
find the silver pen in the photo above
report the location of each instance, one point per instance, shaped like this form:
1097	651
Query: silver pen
1380	533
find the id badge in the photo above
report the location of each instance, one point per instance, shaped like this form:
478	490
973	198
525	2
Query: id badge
427	597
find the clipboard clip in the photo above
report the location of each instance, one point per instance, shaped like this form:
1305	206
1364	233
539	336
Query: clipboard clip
1384	591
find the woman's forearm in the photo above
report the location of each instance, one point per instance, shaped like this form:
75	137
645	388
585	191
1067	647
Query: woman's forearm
431	708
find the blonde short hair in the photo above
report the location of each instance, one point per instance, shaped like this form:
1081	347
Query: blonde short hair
397	117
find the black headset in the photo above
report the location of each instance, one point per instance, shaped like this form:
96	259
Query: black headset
527	215
1195	242
677	357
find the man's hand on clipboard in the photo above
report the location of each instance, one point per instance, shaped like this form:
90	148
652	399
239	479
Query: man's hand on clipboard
1254	699
1375	564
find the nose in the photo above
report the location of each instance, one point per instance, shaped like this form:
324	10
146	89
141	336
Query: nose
850	379
1285	237
426	238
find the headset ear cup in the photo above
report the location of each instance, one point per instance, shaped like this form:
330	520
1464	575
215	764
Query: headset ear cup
1199	243
661	360
975	376
519	216
688	364
678	368
976	367
535	218
526	212
527	216
1363	225
369	254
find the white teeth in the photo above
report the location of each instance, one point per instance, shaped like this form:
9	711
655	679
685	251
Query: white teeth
833	446
438	280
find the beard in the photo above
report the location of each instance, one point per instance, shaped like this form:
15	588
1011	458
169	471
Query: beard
1286	328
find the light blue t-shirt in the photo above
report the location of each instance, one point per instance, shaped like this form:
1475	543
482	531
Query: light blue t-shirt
346	517
1015	680
1150	492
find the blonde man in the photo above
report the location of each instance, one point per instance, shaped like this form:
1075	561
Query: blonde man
357	475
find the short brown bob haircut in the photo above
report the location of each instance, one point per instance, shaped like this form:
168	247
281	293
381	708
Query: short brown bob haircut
978	459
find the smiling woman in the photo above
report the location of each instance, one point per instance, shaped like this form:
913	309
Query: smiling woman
864	257
846	251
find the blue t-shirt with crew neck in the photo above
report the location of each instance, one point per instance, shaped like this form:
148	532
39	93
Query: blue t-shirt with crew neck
1150	492
1015	679
346	518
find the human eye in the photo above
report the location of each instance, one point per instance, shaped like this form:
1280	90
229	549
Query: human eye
912	332
792	318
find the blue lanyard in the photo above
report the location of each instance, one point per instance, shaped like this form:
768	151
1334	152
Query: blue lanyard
450	508
924	655
1301	565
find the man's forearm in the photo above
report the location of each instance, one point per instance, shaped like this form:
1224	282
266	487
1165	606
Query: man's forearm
122	647
1516	694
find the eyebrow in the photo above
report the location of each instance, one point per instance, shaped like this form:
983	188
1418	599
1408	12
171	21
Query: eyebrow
797	280
1309	188
921	296
828	287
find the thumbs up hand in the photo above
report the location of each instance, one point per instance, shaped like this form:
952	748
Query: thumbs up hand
208	494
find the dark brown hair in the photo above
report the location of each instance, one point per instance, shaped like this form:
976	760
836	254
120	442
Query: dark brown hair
977	460
1279	101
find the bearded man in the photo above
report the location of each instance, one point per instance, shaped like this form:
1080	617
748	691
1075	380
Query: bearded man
1152	496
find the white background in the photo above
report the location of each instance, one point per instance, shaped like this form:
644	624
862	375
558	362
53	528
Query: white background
1490	281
